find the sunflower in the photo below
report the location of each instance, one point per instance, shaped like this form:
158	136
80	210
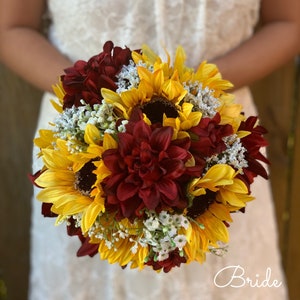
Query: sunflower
215	195
155	95
119	242
210	77
70	183
159	91
206	231
222	179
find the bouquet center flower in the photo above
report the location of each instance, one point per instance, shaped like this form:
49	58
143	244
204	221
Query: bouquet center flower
146	170
157	107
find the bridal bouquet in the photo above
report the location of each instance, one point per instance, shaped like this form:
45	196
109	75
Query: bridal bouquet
147	159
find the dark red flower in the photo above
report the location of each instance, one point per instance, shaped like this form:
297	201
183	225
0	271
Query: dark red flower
84	80
174	260
45	207
207	137
253	143
33	177
46	210
86	247
147	170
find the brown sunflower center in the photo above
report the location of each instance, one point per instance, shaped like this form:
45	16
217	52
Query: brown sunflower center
85	178
201	204
157	107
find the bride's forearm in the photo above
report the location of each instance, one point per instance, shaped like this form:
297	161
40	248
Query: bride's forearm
271	47
276	43
37	61
23	48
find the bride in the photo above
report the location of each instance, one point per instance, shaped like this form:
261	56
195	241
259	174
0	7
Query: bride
207	30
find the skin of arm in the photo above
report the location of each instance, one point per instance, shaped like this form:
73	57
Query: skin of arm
274	44
23	48
29	54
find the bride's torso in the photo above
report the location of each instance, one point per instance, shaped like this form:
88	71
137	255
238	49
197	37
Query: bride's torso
205	28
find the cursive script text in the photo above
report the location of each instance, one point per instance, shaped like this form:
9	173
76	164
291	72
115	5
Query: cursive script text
238	279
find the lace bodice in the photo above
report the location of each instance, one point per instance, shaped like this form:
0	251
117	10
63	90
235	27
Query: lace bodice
206	29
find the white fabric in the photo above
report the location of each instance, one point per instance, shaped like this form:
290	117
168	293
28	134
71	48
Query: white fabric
206	29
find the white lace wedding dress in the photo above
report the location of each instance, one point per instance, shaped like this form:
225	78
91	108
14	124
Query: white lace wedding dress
206	29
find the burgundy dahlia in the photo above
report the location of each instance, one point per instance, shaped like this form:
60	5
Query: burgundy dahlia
84	80
208	137
253	143
147	170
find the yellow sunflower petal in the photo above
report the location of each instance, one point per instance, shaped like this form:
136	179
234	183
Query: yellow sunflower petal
214	229
180	58
91	134
53	194
149	55
220	211
75	207
45	139
55	178
90	214
173	90
242	133
110	96
109	142
59	90
196	245
221	174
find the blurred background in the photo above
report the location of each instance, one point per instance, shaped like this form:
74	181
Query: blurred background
277	98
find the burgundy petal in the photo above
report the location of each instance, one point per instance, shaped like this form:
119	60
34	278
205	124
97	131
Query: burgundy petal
161	138
141	131
174	168
178	153
87	248
126	142
108	46
150	197
46	210
168	188
126	191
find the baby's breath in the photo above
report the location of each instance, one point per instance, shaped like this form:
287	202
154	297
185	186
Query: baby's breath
112	232
122	127
70	125
234	154
202	98
162	233
128	78
220	250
